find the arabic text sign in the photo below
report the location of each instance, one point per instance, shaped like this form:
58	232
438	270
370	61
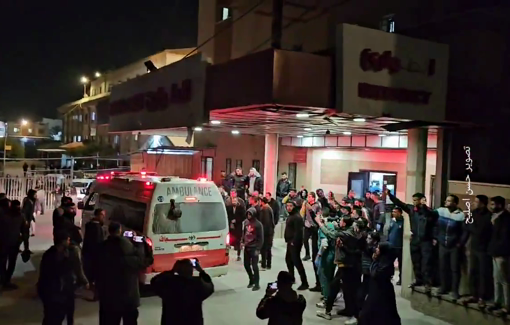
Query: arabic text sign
190	190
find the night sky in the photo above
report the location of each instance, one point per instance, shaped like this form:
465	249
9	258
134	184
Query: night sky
45	46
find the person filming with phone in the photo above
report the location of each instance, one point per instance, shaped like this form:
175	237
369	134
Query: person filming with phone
182	293
121	257
281	304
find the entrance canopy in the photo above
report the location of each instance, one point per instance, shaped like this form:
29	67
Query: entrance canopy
297	121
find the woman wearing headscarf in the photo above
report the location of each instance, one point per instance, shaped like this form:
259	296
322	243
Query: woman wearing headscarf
381	302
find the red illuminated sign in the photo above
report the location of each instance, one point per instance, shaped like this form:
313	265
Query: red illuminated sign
152	101
374	61
393	94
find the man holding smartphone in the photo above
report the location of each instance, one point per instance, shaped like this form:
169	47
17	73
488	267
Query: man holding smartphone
182	293
281	304
121	259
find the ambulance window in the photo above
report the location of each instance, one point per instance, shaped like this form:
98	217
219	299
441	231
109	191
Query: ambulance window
194	217
92	201
129	214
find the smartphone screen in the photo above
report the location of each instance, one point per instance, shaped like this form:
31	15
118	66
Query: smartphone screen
193	261
272	285
138	239
128	234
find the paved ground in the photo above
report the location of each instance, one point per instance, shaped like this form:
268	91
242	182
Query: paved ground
232	303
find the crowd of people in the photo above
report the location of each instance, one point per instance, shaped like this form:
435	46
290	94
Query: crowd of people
350	242
343	234
354	245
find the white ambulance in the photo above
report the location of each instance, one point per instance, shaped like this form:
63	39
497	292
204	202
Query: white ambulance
195	227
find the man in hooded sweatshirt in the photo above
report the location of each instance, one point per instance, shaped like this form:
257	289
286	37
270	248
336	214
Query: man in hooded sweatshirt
448	234
252	241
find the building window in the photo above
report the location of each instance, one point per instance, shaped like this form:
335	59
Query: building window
116	139
93	116
78	138
100	89
207	167
93	132
256	164
228	166
388	24
239	163
110	88
226	13
74	138
16	129
80	118
29	130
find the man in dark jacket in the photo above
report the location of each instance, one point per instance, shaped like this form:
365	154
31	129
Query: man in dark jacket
117	284
282	305
294	230
93	238
396	237
282	190
347	258
480	264
182	293
236	213
499	249
56	283
225	181
372	241
12	225
379	213
239	182
448	235
422	220
275	207
267	220
252	241
28	209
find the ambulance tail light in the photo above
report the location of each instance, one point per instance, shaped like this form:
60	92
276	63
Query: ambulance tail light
227	239
191	199
202	179
149	242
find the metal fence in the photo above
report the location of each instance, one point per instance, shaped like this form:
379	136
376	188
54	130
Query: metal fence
48	187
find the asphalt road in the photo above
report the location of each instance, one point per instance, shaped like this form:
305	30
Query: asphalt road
232	303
